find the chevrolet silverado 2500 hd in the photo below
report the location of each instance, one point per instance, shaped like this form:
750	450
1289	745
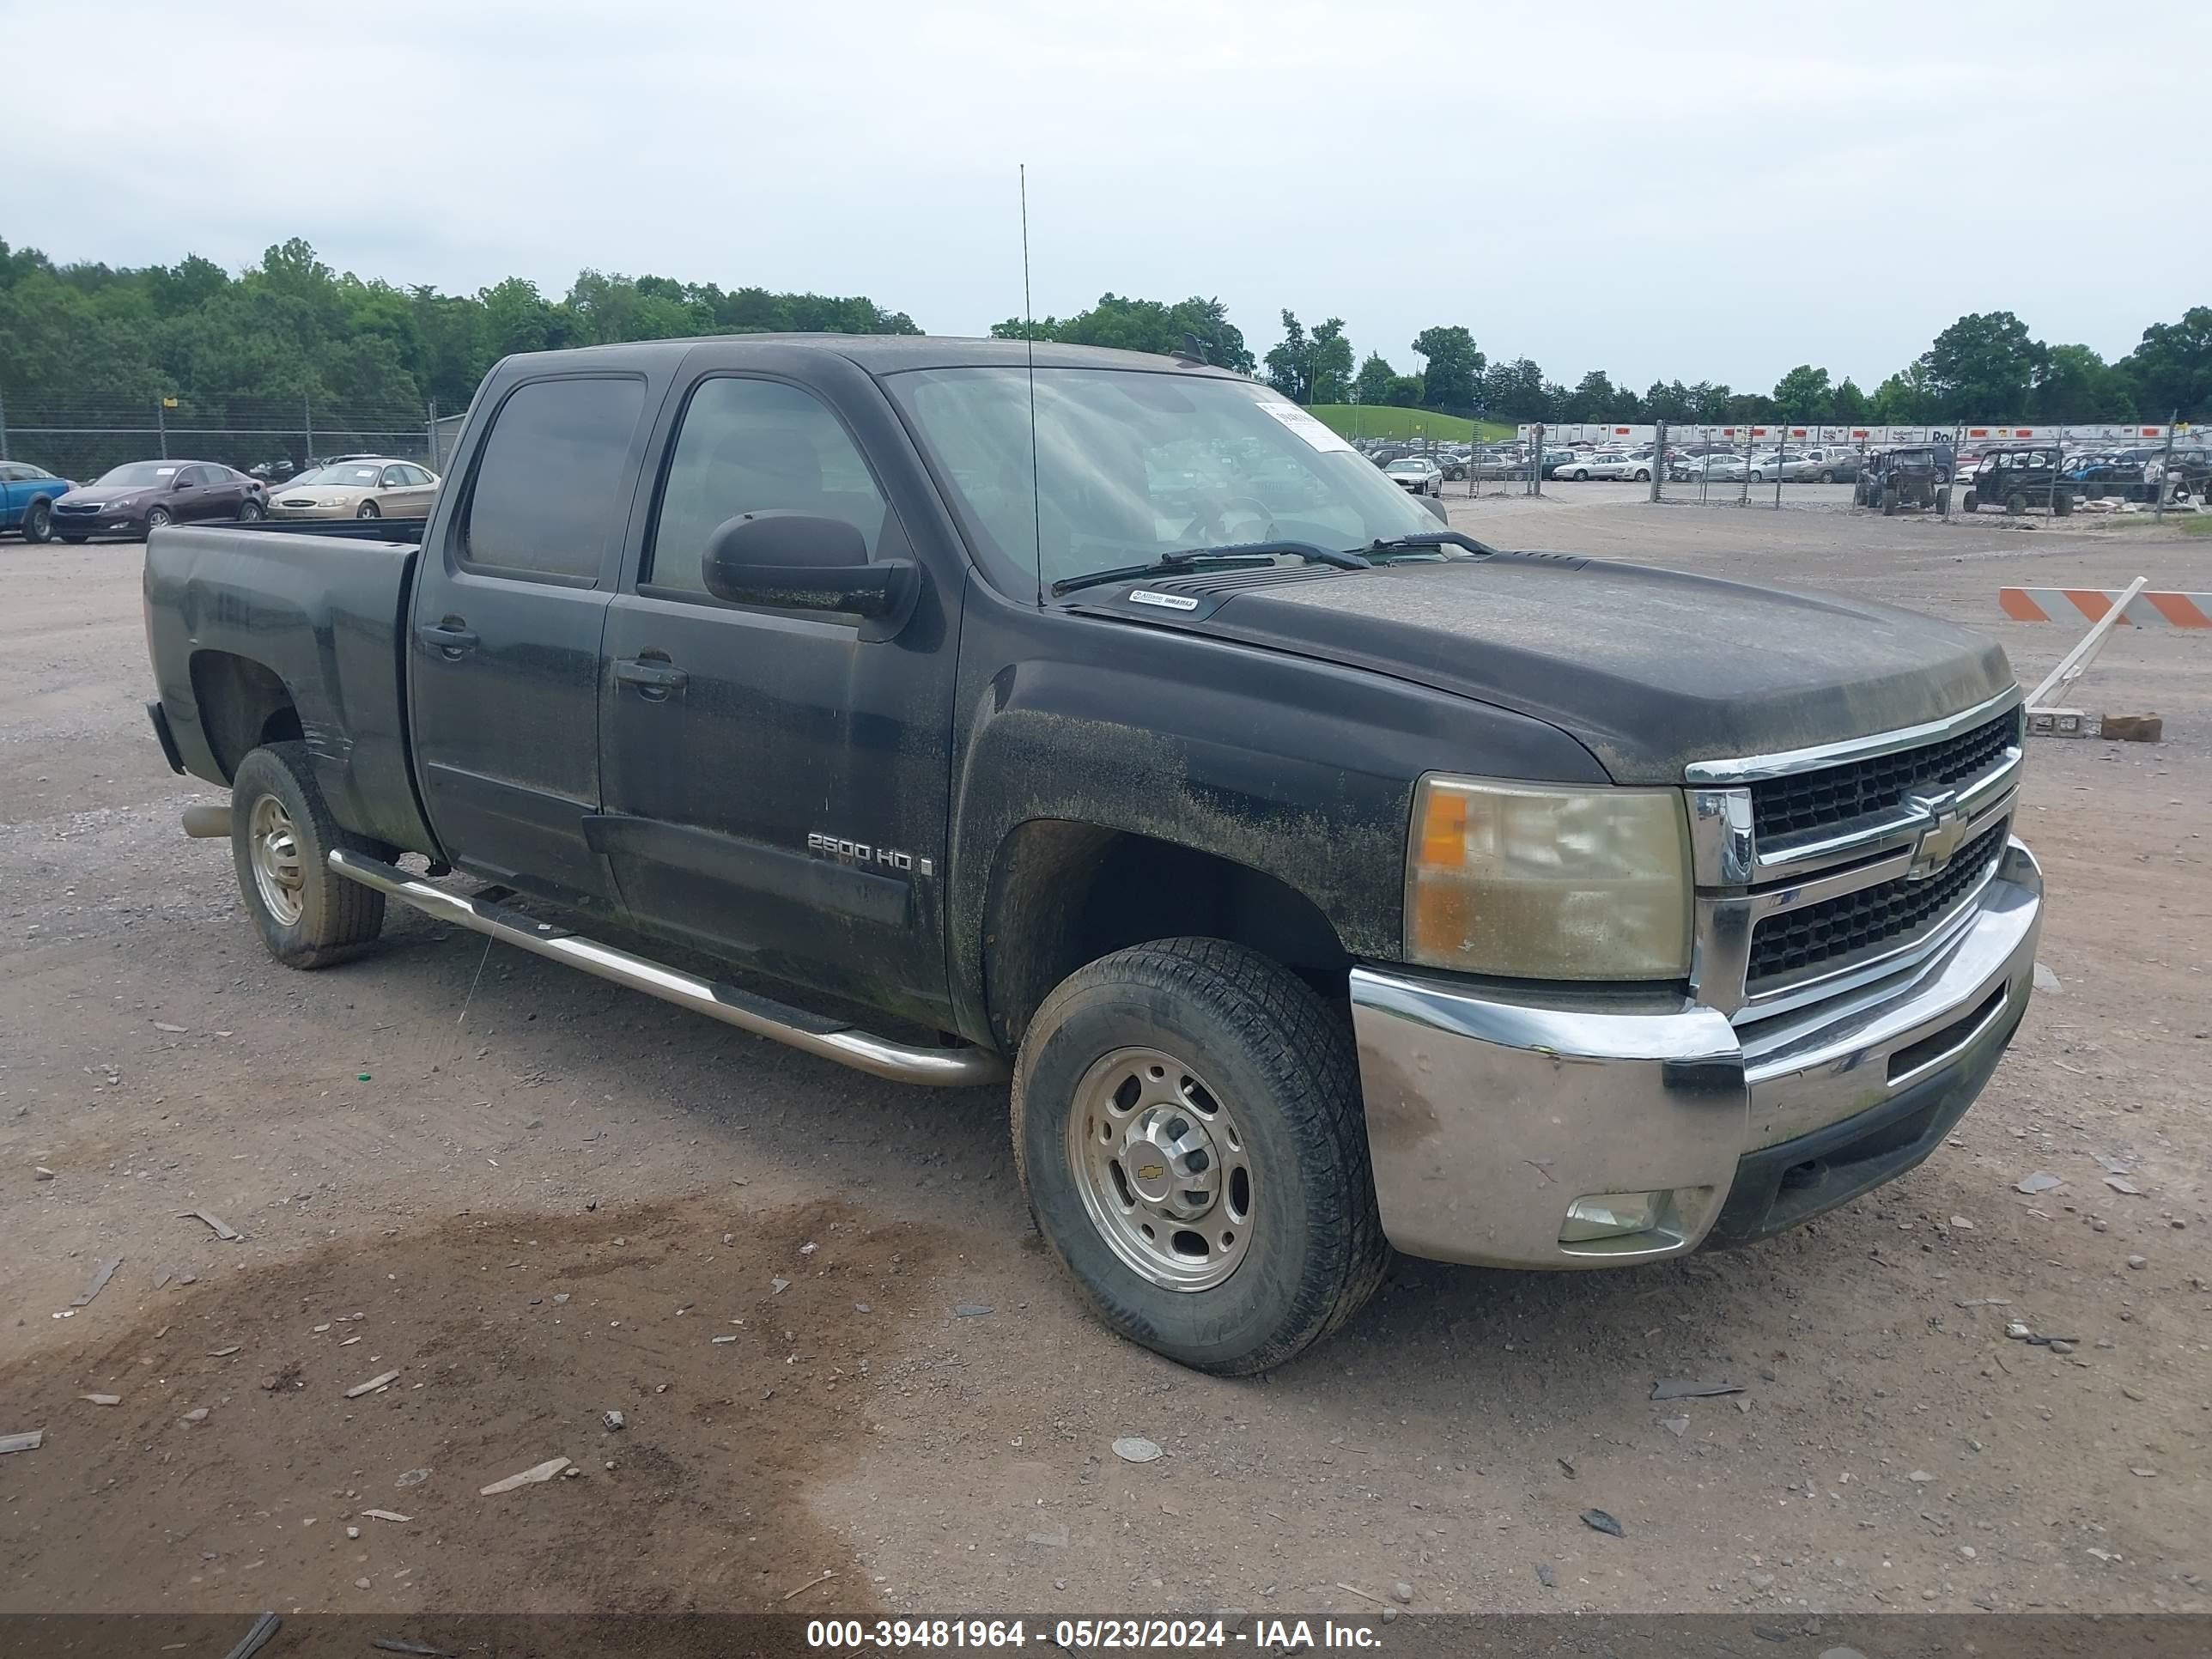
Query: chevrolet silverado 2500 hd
1321	879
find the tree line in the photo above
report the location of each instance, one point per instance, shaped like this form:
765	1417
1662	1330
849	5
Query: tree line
1985	366
88	336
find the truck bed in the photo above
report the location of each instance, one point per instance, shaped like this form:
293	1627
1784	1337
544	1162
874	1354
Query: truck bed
267	631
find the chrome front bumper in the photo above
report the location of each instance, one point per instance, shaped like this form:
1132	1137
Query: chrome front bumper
1489	1111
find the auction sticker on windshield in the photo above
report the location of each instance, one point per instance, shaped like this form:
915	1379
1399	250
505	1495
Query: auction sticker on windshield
1316	433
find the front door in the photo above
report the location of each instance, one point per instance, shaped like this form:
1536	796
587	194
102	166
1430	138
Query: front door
504	653
776	785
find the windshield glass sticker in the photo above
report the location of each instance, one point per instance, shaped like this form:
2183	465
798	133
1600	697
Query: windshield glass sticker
1313	431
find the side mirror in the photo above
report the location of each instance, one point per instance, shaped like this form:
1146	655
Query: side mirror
795	562
177	482
1437	507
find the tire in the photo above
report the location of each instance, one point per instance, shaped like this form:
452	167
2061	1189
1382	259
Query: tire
1641	476
1889	501
368	510
281	837
1826	476
1971	501
1580	475
1758	478
249	511
2062	503
1944	500
156	518
39	521
1279	1068
77	540
2015	504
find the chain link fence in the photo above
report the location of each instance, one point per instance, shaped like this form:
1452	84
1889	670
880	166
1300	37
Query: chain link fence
272	438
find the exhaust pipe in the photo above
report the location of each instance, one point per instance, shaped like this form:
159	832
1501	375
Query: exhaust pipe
208	821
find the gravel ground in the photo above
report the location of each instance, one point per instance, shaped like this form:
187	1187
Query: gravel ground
539	1199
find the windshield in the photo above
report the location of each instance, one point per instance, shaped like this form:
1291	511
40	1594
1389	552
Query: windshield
346	475
1131	464
139	475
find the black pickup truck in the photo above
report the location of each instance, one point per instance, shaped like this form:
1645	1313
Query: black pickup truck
1323	879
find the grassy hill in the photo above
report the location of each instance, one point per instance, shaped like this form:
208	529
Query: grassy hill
1380	421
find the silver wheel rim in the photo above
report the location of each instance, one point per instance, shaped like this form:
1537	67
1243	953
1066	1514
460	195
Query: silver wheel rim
276	850
1163	1168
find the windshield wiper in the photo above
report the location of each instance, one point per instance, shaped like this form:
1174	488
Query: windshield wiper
1430	538
1191	558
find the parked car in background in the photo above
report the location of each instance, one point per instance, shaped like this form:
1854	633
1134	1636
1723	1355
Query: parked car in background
1717	466
1816	464
372	487
2189	470
141	496
1417	473
28	494
1608	464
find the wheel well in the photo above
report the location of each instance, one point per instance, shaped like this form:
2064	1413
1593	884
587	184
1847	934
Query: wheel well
1063	894
243	705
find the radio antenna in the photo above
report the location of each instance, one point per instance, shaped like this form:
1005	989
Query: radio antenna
1029	330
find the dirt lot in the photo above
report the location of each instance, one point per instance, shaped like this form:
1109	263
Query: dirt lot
838	1349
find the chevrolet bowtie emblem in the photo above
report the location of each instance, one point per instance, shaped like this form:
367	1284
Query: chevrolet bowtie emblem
1946	832
1150	1172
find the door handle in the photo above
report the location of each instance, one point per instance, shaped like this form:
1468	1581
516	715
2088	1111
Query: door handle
654	679
450	639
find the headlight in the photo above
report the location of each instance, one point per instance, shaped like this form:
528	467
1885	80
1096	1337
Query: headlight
1530	881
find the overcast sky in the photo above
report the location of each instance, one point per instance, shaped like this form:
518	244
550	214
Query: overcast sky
1657	190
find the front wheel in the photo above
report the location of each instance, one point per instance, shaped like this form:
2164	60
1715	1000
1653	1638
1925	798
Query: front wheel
368	510
38	522
1970	501
1641	476
281	837
2015	504
1889	502
1826	476
1187	1123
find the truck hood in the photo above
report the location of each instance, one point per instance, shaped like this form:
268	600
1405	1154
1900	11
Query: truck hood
1651	670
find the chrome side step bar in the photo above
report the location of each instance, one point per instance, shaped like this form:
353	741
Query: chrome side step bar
831	1039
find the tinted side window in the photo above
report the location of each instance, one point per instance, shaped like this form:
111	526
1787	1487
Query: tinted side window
748	446
552	485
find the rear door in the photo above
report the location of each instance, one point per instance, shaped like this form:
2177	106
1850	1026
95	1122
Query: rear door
504	655
776	785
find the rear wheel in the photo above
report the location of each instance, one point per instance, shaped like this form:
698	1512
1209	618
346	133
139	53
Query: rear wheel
281	837
39	521
1826	476
1641	476
1944	500
2015	504
1972	502
368	510
249	511
1187	1123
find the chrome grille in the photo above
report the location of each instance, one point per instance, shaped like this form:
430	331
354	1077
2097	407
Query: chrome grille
1839	794
1834	930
